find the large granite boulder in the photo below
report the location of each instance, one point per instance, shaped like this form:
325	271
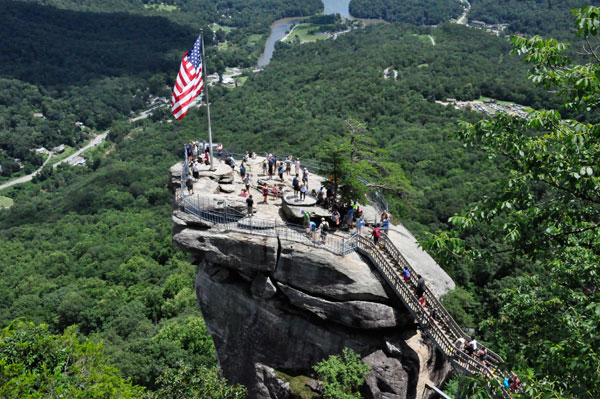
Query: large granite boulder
273	304
357	314
295	213
438	280
324	274
235	250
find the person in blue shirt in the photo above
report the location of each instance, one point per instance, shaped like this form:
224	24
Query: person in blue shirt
386	224
360	224
350	218
312	227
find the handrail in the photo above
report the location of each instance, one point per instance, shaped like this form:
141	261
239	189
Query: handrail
218	212
433	328
432	299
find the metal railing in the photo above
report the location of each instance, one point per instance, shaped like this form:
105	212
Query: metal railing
441	312
441	329
220	213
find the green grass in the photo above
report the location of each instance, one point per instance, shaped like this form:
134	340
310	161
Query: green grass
59	157
5	202
241	80
254	38
298	385
161	7
216	27
302	32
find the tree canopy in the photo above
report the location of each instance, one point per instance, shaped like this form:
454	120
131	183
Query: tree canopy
545	213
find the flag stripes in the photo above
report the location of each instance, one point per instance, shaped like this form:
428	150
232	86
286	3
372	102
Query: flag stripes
189	81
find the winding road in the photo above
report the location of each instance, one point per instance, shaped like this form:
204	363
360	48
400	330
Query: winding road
462	20
23	179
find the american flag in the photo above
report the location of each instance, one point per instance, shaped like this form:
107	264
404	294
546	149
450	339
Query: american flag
189	80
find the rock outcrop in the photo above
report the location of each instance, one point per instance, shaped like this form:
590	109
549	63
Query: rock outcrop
272	304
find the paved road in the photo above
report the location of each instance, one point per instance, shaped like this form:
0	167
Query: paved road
462	20
95	141
27	178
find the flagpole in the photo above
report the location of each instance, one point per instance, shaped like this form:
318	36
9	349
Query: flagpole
210	146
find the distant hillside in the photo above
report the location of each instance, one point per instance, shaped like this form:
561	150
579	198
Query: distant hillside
416	12
531	17
252	15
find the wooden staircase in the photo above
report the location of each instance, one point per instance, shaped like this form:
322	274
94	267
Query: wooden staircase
442	329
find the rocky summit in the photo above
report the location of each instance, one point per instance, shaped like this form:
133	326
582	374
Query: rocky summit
275	298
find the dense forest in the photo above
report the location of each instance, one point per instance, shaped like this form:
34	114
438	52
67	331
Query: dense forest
91	247
529	17
417	12
94	67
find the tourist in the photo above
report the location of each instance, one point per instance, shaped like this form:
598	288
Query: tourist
329	197
324	229
231	161
265	190
219	151
460	343
320	195
189	184
406	276
242	170
297	166
376	233
350	218
244	193
250	203
303	189
422	301
247	181
305	218
271	165
384	215
515	383
433	315
386	224
360	224
312	228
296	185
194	151
196	170
335	217
274	191
420	286
264	167
305	176
281	170
472	346
483	355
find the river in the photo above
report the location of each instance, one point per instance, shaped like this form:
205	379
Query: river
280	27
